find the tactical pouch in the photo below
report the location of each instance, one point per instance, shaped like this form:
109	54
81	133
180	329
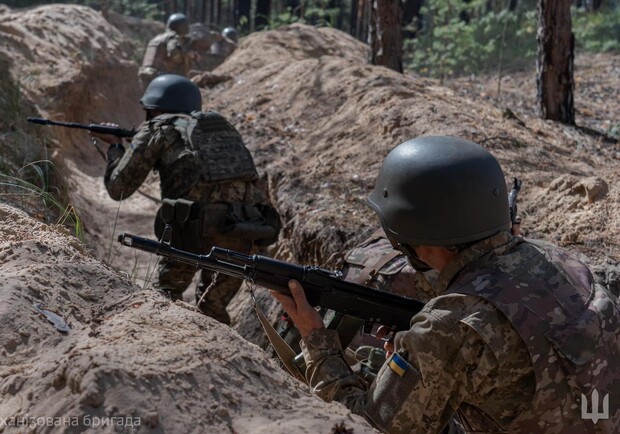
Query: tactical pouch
271	218
184	217
192	222
248	222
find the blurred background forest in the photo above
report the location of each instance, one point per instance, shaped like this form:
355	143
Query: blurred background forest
441	38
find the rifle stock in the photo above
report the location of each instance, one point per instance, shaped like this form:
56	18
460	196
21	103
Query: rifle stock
96	128
322	287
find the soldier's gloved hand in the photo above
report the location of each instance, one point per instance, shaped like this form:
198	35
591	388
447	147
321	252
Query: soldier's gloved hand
110	139
305	317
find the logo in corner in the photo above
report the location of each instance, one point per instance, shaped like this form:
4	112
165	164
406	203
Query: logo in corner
594	415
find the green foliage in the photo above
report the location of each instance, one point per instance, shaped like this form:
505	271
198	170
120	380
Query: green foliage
597	31
461	38
314	12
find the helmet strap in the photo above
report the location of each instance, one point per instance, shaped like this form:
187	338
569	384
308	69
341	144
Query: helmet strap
413	258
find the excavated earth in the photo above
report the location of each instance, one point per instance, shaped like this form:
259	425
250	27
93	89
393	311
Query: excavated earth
319	122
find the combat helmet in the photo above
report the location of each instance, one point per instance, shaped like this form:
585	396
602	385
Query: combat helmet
231	33
172	93
440	191
179	23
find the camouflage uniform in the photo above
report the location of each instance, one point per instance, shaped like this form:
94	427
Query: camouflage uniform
161	145
166	53
518	333
376	263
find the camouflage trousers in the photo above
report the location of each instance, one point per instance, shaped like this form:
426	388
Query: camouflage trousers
175	277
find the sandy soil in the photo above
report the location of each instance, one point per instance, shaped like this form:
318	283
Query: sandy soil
319	121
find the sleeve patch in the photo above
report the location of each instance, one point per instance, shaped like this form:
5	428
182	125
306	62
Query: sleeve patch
398	364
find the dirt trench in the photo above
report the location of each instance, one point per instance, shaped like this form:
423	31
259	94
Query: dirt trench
318	121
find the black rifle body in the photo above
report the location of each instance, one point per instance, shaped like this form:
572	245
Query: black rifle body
322	287
512	201
96	128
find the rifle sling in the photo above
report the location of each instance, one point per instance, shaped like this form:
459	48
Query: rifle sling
282	349
371	270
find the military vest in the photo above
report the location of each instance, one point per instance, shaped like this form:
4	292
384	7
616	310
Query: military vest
376	263
213	152
571	327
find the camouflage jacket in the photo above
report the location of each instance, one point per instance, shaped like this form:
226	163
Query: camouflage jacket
166	53
493	359
376	263
160	146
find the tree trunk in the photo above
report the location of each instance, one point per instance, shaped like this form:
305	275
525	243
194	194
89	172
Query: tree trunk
243	9
263	11
385	34
554	79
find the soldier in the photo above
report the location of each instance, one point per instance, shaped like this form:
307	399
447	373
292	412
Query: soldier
520	334
208	186
225	45
168	52
374	263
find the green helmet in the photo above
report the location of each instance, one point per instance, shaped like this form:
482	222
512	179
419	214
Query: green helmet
440	191
172	93
231	33
178	23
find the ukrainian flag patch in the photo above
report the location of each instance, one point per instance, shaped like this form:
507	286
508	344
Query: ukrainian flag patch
398	364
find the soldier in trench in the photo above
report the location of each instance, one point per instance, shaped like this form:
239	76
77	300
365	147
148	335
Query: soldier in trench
169	52
519	334
210	194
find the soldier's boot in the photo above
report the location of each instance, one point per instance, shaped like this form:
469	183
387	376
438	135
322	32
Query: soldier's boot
218	314
170	293
174	277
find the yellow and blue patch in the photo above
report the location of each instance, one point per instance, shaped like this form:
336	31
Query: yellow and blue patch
398	364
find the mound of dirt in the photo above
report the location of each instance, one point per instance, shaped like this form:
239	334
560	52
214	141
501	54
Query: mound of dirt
73	65
118	352
319	122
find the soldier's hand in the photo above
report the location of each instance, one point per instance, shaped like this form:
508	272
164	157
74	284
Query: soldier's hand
388	344
305	317
110	139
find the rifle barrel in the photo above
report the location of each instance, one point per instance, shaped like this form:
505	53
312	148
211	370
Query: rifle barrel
322	287
102	129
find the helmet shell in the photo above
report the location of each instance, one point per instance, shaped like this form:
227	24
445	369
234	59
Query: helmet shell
231	33
172	93
440	191
179	23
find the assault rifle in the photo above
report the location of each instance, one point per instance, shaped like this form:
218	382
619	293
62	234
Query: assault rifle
512	205
322	287
96	128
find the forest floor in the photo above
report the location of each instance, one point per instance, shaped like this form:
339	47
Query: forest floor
319	122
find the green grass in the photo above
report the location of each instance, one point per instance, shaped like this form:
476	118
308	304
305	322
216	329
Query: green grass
28	193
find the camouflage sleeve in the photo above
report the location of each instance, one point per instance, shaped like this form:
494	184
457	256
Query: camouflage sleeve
445	359
124	175
174	50
327	372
